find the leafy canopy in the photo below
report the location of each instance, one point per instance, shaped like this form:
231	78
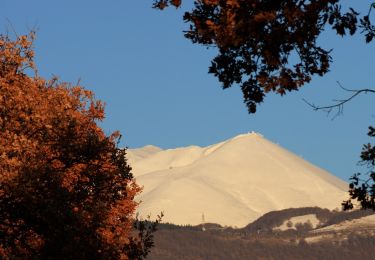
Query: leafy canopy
66	190
267	46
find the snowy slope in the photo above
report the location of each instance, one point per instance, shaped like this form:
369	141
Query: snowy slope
364	226
294	221
232	183
366	223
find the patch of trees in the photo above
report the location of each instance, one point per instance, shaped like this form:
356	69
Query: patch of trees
338	217
210	226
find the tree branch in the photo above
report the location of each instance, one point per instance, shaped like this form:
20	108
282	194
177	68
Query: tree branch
339	103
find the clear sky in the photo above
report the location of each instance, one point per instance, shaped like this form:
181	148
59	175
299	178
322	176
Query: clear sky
157	89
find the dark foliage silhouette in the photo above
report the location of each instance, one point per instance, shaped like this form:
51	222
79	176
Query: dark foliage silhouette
363	190
257	41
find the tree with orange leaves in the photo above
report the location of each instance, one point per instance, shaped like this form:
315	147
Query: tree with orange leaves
66	190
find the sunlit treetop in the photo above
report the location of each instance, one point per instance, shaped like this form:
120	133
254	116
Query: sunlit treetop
66	190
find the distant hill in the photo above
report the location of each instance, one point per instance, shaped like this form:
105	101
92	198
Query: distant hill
345	239
230	183
271	220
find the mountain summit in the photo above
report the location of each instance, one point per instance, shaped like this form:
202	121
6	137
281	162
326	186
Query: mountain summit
230	183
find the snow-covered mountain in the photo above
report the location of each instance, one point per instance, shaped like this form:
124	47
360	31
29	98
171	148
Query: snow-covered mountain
230	183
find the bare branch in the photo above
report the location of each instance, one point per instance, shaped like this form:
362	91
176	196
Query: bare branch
339	103
346	89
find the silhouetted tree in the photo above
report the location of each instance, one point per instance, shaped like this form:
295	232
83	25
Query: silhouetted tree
363	190
66	190
257	39
271	46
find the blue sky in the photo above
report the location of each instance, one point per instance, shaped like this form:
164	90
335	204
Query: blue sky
157	89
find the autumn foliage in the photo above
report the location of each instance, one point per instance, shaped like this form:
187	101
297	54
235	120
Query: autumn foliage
66	191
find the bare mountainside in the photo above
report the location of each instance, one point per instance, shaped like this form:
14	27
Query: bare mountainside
231	183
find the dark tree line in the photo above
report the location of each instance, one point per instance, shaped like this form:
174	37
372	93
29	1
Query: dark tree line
189	244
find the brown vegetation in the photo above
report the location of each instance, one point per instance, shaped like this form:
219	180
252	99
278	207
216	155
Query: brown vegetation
202	245
258	240
66	191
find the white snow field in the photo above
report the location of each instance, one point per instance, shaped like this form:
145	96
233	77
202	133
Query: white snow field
309	218
231	183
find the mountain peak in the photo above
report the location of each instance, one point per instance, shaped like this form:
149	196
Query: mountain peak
232	182
251	134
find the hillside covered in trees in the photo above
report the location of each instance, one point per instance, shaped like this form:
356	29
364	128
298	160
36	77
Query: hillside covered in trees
260	239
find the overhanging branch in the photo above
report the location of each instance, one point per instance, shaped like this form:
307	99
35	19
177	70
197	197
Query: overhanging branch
339	103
